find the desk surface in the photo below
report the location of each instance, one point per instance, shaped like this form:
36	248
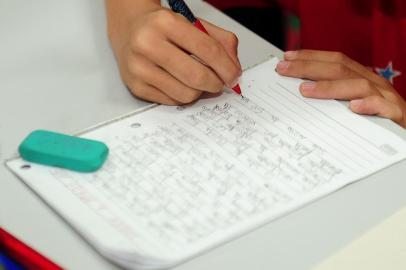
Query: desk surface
58	72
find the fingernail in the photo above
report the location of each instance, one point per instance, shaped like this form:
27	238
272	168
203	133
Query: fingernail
240	72
356	102
290	55
307	87
234	83
282	65
239	64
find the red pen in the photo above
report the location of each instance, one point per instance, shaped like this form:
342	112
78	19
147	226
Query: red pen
23	254
179	6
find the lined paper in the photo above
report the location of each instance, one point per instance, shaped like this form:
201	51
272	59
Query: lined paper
181	180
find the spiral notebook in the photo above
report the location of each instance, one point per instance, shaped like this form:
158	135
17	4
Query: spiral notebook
182	180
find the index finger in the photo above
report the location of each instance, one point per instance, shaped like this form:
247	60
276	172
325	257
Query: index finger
336	57
206	48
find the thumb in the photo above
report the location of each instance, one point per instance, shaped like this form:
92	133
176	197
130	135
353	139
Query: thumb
226	38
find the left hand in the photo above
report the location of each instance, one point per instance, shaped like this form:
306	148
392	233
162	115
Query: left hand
335	76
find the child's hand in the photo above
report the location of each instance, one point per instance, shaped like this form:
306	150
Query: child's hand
154	53
339	77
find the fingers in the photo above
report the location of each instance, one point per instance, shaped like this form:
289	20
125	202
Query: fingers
146	71
339	89
169	58
203	46
365	97
324	56
339	58
375	105
315	70
182	66
228	39
149	93
339	77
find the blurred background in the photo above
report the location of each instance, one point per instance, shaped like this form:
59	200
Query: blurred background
267	18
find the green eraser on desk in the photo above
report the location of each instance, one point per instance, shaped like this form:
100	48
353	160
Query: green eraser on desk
60	150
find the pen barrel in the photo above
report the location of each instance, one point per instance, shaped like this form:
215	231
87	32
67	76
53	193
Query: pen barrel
200	26
179	6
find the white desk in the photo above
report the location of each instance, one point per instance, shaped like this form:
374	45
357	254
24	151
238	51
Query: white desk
57	72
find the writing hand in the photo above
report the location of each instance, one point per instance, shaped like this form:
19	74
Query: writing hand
154	50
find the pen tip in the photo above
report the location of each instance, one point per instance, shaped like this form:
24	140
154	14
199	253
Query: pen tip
237	89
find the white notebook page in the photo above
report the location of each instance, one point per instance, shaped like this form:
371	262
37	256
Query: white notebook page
180	180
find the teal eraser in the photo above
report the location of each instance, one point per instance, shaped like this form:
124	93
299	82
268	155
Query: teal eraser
60	150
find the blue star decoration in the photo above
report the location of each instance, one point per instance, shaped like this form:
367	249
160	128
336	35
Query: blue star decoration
388	72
